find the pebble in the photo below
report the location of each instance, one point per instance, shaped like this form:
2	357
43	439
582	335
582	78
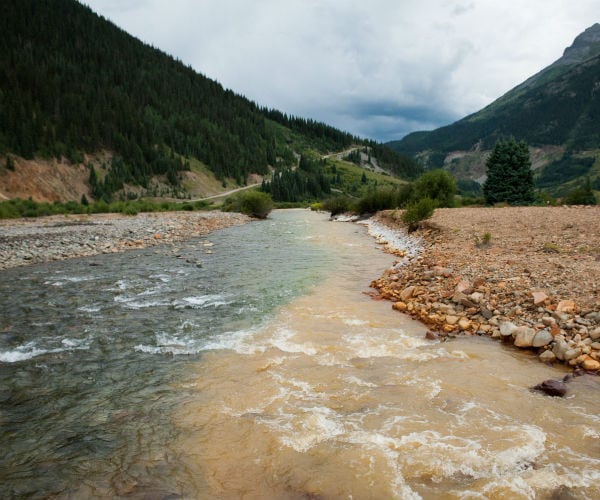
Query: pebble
44	239
540	309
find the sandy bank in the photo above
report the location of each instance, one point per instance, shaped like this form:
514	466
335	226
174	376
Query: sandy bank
44	239
536	283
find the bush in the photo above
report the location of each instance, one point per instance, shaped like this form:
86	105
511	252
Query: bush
130	209
252	203
383	199
438	185
582	195
417	212
337	205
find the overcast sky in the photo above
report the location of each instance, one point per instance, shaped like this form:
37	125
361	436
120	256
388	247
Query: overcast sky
377	68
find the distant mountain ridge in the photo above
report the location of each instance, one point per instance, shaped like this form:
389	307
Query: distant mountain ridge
556	111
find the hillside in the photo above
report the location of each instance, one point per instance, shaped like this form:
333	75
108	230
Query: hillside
75	90
555	111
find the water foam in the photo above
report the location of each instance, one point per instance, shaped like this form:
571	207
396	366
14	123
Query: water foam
31	350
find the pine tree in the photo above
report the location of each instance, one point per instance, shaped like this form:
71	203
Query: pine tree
509	174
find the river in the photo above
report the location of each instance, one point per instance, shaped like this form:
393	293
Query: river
253	363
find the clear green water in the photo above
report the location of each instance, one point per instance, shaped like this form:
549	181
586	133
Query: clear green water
94	353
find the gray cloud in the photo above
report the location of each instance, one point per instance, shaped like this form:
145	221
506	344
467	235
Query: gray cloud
379	69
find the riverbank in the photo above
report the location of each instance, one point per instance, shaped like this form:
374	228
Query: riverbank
526	275
44	239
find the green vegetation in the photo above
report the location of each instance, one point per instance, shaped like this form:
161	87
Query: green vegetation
250	202
338	205
72	84
17	207
556	109
418	211
438	185
420	198
307	182
509	174
565	169
485	240
582	195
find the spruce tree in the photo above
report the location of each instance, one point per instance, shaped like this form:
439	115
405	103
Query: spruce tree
509	174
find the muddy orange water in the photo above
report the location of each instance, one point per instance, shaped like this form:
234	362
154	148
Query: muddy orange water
336	396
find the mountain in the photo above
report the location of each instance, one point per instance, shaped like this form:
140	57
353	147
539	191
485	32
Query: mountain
75	90
556	111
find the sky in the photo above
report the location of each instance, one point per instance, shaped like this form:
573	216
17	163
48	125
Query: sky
378	69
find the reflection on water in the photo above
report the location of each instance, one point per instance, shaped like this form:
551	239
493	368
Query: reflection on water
268	373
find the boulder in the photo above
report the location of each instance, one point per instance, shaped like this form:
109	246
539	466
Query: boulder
572	354
560	348
462	286
542	338
590	364
547	357
552	388
566	306
464	323
399	306
407	293
524	336
451	320
507	328
539	298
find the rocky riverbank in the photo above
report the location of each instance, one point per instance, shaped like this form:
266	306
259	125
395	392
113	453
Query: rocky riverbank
525	275
44	239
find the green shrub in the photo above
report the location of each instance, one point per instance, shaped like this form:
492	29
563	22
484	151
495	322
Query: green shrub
382	199
130	209
252	203
438	185
417	212
337	205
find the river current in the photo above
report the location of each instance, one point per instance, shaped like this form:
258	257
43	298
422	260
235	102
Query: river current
252	363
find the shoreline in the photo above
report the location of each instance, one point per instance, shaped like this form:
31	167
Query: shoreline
534	284
59	237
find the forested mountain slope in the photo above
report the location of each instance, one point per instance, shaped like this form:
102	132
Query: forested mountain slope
557	112
72	84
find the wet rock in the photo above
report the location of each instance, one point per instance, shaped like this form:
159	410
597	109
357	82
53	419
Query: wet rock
551	387
431	335
524	336
590	364
399	306
542	338
560	348
572	354
547	357
507	328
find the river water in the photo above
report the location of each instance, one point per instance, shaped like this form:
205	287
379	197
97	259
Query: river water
268	372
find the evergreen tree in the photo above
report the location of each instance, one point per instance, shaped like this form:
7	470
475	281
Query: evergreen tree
509	174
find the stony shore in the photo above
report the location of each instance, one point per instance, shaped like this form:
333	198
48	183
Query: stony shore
533	280
44	239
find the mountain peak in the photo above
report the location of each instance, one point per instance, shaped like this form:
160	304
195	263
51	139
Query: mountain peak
585	45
